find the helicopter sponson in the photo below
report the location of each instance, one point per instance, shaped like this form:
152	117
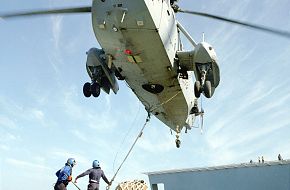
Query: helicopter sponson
203	61
102	73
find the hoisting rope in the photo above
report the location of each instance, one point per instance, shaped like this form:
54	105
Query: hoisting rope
165	102
149	111
139	135
125	137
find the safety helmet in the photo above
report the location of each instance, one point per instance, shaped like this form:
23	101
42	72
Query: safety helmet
71	162
96	164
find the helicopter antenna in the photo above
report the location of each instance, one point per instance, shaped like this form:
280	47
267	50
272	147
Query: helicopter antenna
203	37
186	34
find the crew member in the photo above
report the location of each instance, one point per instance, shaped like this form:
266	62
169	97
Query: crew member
280	157
64	175
95	174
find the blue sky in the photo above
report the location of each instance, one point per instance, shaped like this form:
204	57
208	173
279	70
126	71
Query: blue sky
44	118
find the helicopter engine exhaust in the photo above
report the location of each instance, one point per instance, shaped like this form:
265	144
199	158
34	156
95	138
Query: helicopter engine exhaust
203	62
102	73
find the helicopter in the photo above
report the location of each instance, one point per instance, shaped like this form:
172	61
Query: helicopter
141	45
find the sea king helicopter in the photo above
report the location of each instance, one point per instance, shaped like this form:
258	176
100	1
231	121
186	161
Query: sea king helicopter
141	43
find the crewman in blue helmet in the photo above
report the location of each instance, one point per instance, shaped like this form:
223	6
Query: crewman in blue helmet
64	175
95	174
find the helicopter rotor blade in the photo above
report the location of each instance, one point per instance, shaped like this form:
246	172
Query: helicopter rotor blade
238	22
47	12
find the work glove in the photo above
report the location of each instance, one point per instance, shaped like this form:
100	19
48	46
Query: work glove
69	178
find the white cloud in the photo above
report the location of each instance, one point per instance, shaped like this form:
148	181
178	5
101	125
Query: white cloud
6	137
9	106
99	119
26	164
273	103
14	110
59	154
7	122
239	143
56	29
40	96
4	147
80	135
239	9
151	141
38	114
219	124
102	122
56	58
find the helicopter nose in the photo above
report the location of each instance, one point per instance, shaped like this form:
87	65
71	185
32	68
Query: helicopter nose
204	53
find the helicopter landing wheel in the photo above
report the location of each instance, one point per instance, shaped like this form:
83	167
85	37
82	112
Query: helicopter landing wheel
207	89
197	88
95	89
177	142
87	89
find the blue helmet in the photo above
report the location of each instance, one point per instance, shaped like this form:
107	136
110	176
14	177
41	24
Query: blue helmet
71	162
96	164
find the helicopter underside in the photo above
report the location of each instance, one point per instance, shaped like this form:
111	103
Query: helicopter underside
154	83
144	55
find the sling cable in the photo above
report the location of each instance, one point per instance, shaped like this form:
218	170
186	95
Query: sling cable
139	135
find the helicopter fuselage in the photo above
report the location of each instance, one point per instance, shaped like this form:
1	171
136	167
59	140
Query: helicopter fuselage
141	37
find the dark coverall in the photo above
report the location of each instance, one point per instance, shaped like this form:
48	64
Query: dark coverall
95	174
